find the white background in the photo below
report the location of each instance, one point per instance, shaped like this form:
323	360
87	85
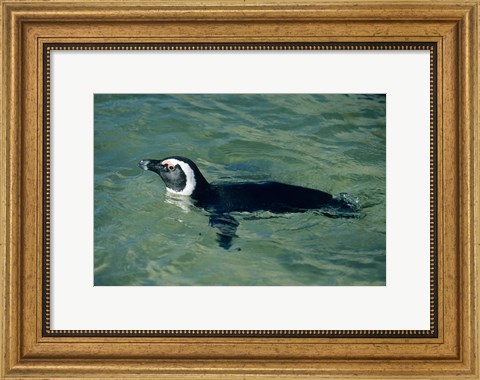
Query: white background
402	304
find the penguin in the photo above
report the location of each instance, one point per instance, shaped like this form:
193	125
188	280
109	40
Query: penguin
182	177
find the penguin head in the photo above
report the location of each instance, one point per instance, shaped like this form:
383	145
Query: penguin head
180	175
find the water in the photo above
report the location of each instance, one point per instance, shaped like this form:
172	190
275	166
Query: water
335	143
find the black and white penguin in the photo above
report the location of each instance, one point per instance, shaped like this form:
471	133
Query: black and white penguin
181	176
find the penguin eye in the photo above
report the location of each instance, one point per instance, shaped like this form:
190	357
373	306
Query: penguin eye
171	168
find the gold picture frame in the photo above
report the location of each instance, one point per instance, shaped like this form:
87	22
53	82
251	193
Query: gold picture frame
32	28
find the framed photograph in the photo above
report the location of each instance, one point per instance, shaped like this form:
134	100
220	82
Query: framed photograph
239	190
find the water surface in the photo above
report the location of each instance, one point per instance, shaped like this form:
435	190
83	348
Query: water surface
332	142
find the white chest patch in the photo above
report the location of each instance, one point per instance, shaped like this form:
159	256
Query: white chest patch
191	182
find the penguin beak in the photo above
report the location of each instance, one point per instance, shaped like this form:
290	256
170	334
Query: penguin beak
148	164
143	164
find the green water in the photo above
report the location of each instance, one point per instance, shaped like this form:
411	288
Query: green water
335	143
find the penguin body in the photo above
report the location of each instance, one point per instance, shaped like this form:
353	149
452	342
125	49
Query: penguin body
275	197
182	176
